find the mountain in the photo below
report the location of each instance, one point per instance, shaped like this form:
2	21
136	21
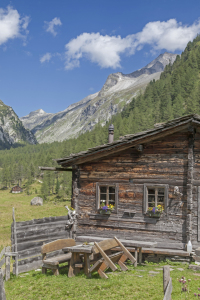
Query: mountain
118	90
12	131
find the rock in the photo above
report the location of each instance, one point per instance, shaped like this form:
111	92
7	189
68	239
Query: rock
37	201
153	272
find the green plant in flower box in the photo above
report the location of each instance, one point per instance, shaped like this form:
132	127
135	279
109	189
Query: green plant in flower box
106	209
155	212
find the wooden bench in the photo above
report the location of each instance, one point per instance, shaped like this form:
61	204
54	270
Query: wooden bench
53	262
108	261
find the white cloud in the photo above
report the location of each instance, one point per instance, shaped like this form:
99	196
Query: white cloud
46	57
51	25
12	25
106	50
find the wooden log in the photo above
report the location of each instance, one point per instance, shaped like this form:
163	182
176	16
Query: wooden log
2	290
55	169
29	267
54	236
42	220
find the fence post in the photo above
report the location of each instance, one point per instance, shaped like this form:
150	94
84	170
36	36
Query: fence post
167	283
15	242
2	290
7	269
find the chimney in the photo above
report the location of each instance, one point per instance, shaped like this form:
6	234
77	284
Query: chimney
111	133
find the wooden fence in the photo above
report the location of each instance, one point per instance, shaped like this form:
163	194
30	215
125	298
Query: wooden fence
28	237
2	290
167	283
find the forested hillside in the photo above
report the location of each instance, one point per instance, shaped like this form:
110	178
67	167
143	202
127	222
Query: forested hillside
177	93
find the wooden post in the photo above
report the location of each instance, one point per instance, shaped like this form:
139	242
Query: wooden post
7	264
190	184
136	256
167	283
2	290
198	213
15	242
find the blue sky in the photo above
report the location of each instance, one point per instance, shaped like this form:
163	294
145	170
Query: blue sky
55	53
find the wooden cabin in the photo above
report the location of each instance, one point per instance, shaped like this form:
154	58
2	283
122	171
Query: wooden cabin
160	166
16	189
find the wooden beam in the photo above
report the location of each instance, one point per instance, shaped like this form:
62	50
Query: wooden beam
190	184
55	169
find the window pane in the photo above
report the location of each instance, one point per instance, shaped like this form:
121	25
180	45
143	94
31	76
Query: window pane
112	197
103	189
151	204
102	196
160	199
151	191
161	191
111	190
151	198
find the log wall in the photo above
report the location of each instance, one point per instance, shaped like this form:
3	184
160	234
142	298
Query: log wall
164	161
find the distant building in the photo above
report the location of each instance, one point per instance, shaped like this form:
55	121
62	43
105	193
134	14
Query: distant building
16	189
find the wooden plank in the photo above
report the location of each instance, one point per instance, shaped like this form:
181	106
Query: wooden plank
2	289
106	258
29	267
125	242
2	252
7	277
42	221
57	245
105	245
168	291
126	252
31	244
2	262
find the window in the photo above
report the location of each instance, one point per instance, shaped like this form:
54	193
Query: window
155	195
107	194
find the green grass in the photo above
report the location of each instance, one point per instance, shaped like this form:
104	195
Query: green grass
136	283
24	211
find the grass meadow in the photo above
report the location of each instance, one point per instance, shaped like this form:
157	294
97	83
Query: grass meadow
24	211
137	283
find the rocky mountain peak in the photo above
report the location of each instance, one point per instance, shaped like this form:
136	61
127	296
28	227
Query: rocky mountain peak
118	90
118	79
12	130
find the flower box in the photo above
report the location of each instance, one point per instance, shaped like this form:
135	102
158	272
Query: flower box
105	211
157	214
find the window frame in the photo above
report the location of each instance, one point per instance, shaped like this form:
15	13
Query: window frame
101	184
153	186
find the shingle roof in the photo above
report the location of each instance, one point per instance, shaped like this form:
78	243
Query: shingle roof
129	138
